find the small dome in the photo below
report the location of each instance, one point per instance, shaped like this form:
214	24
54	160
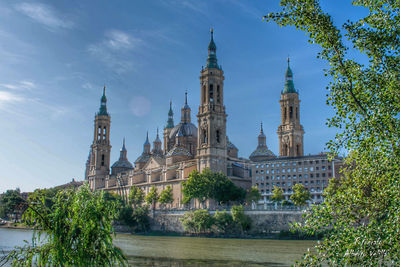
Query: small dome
230	145
179	151
143	158
184	129
122	164
261	153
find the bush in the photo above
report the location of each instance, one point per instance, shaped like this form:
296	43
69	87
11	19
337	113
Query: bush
240	218
125	215
140	217
224	223
198	221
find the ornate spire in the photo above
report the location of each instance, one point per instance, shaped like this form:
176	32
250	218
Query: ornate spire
170	122
157	150
123	152
289	85
146	145
157	137
212	56
261	137
261	131
103	103
185	112
123	145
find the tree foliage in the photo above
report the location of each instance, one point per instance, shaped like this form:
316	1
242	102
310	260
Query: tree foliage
198	221
77	231
224	223
152	197
136	196
166	196
253	195
300	195
211	185
362	212
12	203
240	218
277	194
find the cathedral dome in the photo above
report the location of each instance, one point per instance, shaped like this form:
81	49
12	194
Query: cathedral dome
261	153
185	129
178	151
143	158
122	164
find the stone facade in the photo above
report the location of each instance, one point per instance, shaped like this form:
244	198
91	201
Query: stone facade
313	171
186	147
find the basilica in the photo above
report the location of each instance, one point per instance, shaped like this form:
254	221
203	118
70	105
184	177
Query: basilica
184	147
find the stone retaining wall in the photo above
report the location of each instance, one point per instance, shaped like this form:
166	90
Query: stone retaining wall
263	222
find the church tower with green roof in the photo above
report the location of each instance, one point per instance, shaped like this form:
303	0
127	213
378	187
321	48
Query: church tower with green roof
211	145
99	161
290	131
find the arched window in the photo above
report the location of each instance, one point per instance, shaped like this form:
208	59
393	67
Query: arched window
99	133
211	93
218	95
218	136
102	160
297	113
285	114
204	137
291	112
298	150
204	94
104	133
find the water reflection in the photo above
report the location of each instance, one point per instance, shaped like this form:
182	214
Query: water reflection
160	251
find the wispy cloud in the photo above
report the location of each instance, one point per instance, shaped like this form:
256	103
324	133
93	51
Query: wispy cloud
113	48
9	98
44	14
21	85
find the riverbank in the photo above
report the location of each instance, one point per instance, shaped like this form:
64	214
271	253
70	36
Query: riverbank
11	225
283	235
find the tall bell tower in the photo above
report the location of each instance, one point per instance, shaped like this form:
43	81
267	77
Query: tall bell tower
99	162
290	131
211	148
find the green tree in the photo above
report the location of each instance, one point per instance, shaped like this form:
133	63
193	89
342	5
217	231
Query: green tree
11	201
224	222
253	195
136	196
362	212
166	196
197	186
277	194
211	185
77	229
300	195
240	218
141	219
198	221
152	197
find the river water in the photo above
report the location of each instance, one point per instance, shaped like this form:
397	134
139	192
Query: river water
190	251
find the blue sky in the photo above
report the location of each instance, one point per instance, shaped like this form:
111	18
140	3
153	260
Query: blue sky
57	55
